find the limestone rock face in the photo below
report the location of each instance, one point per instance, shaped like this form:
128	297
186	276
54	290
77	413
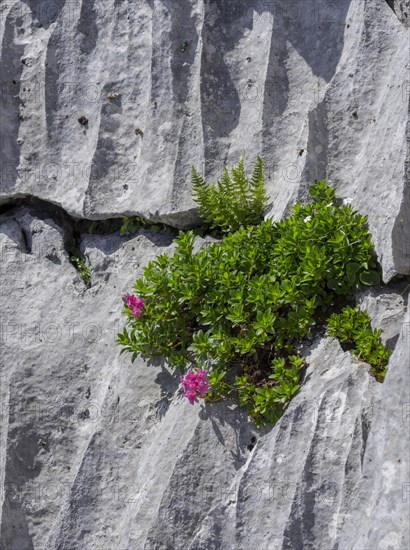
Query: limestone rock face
296	488
91	444
107	105
99	453
386	308
379	517
401	9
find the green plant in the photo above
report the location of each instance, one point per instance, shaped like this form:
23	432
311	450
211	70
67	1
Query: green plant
83	268
234	200
266	403
130	225
354	331
239	307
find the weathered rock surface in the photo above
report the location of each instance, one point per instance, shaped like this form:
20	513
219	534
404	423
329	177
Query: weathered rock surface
104	108
346	487
97	453
295	490
106	105
386	307
379	517
90	443
402	9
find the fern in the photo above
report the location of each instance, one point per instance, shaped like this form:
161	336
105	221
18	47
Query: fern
234	200
202	195
258	195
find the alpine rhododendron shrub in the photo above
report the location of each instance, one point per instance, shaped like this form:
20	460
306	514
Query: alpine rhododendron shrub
239	308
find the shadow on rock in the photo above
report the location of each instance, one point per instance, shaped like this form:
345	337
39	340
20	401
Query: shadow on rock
169	384
246	433
45	13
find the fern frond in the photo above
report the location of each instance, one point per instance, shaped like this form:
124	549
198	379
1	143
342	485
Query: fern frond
224	205
201	195
225	184
258	174
259	201
233	201
198	185
241	183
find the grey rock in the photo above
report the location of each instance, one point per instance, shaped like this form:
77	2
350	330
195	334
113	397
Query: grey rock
319	88
90	443
104	108
98	453
386	308
401	9
297	486
379	516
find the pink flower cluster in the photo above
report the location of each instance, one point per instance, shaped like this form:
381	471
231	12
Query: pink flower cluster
195	384
135	304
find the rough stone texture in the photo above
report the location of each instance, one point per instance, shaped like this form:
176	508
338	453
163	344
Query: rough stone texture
295	490
319	88
379	517
90	443
97	453
401	9
386	308
104	107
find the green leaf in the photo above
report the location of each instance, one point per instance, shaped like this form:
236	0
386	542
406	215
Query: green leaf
370	278
351	269
333	284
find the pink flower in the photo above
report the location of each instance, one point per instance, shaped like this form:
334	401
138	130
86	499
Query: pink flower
195	384
136	312
191	396
135	304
